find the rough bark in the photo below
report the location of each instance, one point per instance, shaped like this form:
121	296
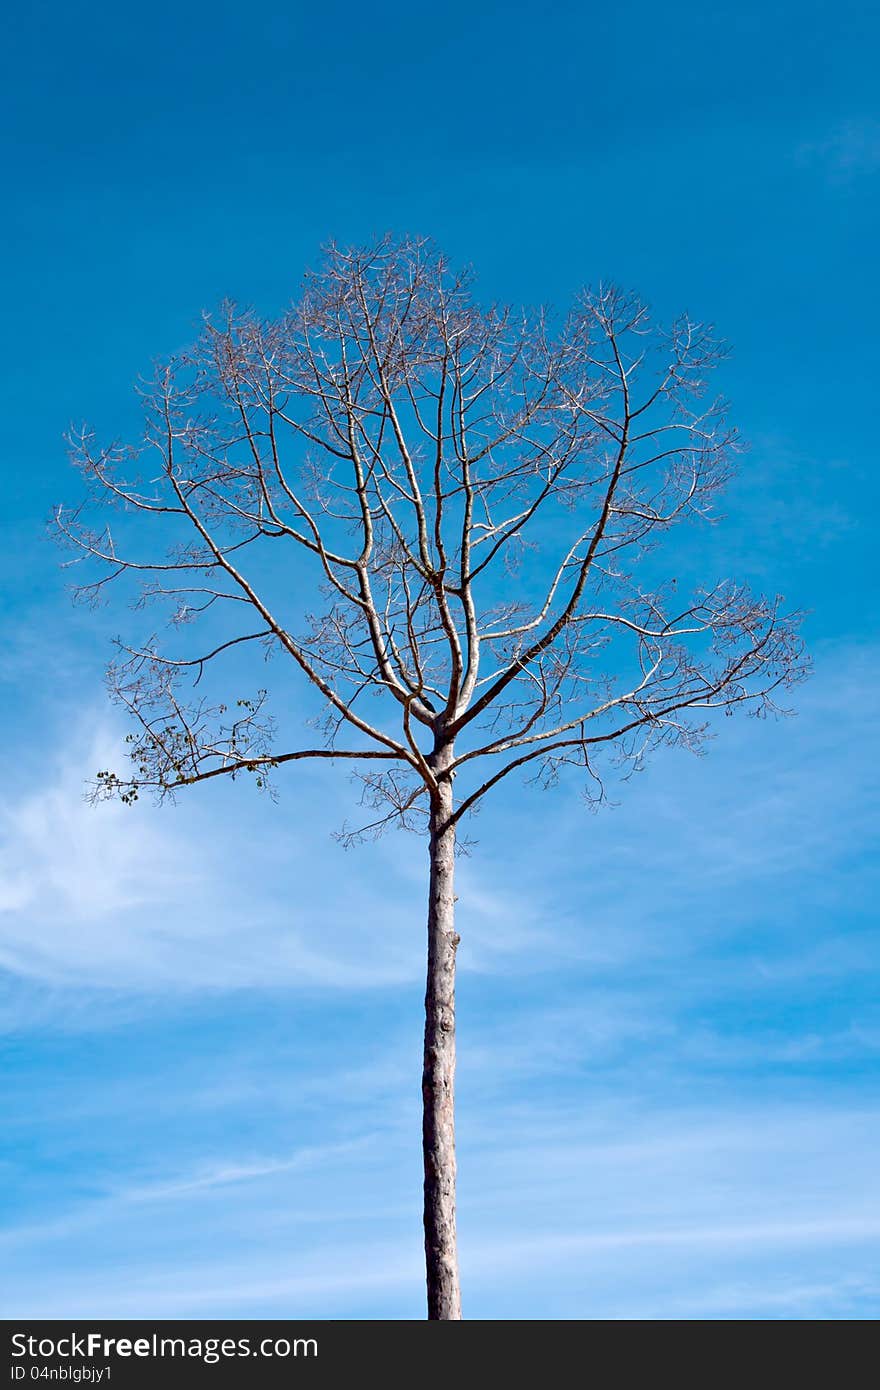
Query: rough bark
438	1077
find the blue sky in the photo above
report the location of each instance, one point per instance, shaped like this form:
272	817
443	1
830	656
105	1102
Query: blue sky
210	1014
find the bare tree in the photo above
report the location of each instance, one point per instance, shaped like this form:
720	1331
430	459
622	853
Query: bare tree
476	499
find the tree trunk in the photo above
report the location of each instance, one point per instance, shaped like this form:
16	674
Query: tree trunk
438	1076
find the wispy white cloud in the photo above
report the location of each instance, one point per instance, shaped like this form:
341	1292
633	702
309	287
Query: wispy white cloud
230	1174
58	852
729	1212
798	1298
139	899
190	897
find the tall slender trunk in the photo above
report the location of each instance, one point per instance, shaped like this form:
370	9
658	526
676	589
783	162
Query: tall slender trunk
438	1076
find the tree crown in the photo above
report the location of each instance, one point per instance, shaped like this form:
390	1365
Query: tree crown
478	493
